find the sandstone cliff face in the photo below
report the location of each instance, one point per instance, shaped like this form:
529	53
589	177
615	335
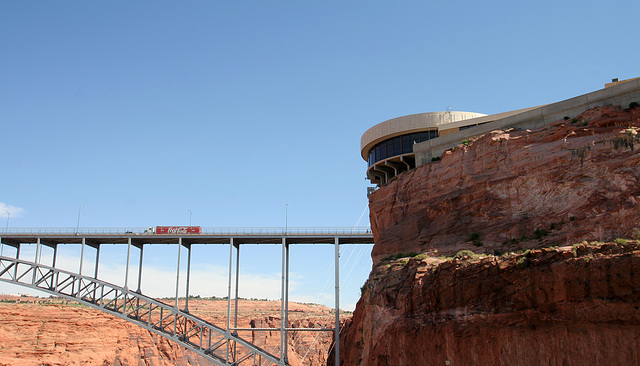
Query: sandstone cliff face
556	306
535	193
59	334
577	179
34	334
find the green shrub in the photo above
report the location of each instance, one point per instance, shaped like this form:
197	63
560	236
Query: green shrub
584	123
435	158
621	241
540	233
575	120
465	142
523	262
566	118
464	253
420	257
475	238
633	104
397	256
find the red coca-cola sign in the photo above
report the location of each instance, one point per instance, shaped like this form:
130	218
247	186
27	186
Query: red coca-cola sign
178	230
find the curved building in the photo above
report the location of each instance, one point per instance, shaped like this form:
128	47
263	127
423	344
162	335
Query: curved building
402	143
388	146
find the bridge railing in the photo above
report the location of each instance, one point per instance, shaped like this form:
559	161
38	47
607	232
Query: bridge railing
226	231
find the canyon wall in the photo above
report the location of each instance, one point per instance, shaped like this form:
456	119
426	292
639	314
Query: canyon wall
59	332
554	306
574	180
503	252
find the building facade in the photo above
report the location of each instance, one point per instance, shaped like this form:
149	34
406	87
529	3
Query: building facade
403	143
388	146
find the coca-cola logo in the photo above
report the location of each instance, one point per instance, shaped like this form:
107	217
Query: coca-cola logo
177	230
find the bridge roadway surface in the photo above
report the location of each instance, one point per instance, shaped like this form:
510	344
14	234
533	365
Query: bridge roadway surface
219	345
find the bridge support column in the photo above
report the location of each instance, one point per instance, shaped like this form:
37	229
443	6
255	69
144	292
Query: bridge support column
138	290
36	261
178	274
235	313
230	279
95	274
284	308
231	348
175	306
186	299
37	249
337	299
82	255
15	268
140	269
55	255
126	271
231	245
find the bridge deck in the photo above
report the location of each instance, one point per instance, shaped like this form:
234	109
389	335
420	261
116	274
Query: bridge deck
52	236
93	239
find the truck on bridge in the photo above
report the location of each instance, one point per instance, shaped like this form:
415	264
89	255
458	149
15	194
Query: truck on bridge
174	230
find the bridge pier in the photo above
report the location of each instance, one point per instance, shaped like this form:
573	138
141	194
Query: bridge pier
82	255
178	273
336	261
284	308
126	270
95	274
186	299
55	255
237	289
139	290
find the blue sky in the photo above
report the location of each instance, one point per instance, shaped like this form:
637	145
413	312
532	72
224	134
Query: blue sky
144	110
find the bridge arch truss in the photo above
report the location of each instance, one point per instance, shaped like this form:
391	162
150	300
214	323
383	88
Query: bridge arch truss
219	345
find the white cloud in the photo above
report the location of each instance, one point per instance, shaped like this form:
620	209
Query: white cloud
14	211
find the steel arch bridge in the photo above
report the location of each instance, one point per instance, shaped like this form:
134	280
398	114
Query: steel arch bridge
219	345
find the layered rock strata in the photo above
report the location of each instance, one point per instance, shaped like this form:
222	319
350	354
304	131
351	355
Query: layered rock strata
554	306
58	332
475	262
576	179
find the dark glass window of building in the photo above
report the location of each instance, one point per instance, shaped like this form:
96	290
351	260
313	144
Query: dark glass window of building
406	144
398	145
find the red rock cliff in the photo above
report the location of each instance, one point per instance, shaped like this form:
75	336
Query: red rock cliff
550	306
577	179
574	181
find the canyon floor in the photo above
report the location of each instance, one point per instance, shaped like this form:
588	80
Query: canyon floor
46	331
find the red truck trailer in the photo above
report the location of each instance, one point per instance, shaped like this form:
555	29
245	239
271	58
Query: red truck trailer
178	230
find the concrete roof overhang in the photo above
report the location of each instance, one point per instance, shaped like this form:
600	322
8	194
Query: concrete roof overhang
409	124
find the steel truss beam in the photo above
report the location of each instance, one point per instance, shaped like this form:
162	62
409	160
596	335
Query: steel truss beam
195	334
221	346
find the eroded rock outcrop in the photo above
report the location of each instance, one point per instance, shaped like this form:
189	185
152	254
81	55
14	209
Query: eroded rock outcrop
35	331
574	180
554	306
526	295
